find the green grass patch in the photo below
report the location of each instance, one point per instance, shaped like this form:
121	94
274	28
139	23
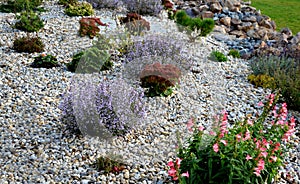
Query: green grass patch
285	13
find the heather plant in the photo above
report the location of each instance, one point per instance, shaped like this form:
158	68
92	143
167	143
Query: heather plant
89	26
143	7
102	108
234	53
28	44
112	4
159	79
251	151
217	56
286	73
44	61
14	6
79	9
29	21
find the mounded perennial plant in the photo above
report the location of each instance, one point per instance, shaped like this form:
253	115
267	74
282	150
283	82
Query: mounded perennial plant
103	109
144	7
251	151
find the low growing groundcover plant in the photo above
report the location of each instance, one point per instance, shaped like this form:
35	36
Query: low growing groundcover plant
249	152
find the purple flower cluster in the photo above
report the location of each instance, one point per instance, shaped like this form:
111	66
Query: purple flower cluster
144	7
103	109
98	4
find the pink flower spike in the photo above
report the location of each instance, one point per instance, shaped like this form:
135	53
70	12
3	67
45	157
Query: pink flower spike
264	154
257	173
178	161
274	158
224	142
201	128
248	157
185	174
260	104
190	125
170	164
216	147
175	178
212	133
172	172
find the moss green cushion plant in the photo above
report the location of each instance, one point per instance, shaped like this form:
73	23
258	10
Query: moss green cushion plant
80	9
29	21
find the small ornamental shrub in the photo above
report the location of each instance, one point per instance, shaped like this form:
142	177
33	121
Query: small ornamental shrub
286	73
262	80
197	25
44	61
79	9
109	164
29	21
66	3
90	61
14	6
103	109
144	7
251	151
234	53
88	26
218	56
159	79
28	44
134	23
98	4
168	5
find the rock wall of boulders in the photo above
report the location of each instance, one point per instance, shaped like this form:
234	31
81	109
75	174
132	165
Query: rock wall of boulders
241	21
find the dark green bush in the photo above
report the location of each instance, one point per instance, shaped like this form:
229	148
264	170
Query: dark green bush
80	9
28	44
71	66
44	61
234	53
218	56
203	27
286	73
29	21
20	5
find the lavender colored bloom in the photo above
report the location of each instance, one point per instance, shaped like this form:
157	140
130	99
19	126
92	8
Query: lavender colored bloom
102	108
144	7
98	4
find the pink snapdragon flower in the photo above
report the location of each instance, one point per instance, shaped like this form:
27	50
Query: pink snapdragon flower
248	157
190	125
185	174
216	147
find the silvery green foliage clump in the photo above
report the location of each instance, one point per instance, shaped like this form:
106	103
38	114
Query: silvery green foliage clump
98	4
144	7
102	108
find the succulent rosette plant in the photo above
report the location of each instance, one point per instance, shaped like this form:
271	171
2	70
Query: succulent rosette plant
250	151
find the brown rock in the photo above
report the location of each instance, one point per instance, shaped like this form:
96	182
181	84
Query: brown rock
253	34
219	29
207	14
236	21
226	21
249	19
238	33
195	11
216	7
296	39
246	26
233	5
266	24
286	31
284	38
203	8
